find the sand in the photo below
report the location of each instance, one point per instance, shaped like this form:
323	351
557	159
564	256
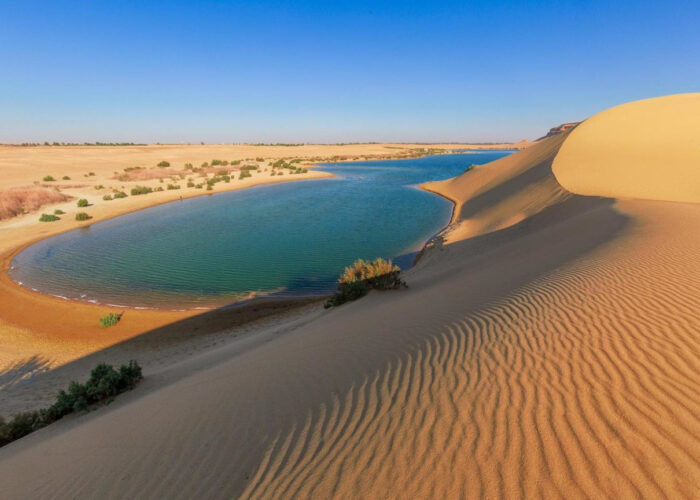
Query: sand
547	346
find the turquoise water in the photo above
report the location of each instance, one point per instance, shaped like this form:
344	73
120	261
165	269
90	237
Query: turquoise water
292	238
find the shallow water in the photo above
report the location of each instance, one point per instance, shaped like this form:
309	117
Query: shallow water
291	238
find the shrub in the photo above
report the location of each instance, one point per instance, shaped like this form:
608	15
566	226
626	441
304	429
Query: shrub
48	218
82	202
110	320
82	216
244	174
48	178
249	167
173	186
164	164
99	186
120	194
103	385
58	211
363	276
159	188
137	190
66	178
107	197
190	184
91	174
188	166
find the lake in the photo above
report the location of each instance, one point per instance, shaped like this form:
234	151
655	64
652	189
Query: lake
291	238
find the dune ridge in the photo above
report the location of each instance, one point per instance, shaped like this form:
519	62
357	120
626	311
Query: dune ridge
547	346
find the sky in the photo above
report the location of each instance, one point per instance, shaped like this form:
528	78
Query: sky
347	71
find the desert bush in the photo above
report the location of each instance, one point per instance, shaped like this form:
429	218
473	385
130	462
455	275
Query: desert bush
198	186
244	174
48	178
82	216
173	186
120	194
82	202
103	385
249	167
58	211
138	190
164	164
66	178
48	218
110	320
363	276
107	197
91	174
190	184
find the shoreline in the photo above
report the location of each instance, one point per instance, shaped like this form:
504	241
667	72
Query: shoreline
7	257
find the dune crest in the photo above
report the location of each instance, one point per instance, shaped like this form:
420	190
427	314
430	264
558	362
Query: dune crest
645	149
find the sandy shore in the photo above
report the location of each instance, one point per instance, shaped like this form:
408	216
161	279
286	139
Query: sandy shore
547	346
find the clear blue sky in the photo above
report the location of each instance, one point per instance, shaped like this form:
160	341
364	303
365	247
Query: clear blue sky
313	71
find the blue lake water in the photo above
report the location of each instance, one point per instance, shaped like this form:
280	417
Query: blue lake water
291	238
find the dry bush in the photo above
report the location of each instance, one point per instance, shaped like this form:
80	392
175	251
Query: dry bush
20	200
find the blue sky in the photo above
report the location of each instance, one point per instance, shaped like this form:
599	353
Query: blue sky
282	71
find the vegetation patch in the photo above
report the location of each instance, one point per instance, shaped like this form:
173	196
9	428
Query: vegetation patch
48	178
120	194
58	211
107	197
82	202
48	218
103	385
82	216
110	319
363	276
138	190
164	164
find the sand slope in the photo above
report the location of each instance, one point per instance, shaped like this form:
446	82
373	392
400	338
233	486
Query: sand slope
551	354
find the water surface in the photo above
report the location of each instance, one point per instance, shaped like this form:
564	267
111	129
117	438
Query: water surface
291	238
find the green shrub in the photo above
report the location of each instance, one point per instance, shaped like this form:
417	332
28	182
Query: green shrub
82	216
58	211
158	189
66	178
209	187
48	218
107	197
198	186
120	194
91	174
99	186
82	202
103	385
110	320
138	190
164	164
48	178
190	184
363	276
173	186
244	174
249	167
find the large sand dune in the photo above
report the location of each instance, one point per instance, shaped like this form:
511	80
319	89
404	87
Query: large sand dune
548	346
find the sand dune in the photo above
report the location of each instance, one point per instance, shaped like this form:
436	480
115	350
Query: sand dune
646	150
548	346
